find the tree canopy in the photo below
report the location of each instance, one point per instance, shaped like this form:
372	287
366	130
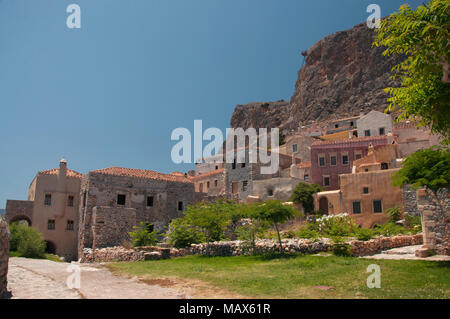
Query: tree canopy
303	194
422	36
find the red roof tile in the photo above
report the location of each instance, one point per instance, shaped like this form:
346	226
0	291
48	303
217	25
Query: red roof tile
208	174
141	173
351	140
55	171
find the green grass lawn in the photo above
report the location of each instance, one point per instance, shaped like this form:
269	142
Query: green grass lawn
297	277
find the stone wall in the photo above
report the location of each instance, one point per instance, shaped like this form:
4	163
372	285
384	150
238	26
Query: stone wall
435	214
111	226
410	201
4	257
238	248
19	210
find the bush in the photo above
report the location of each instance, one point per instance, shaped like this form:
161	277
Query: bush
308	233
414	223
364	234
340	225
27	241
340	247
389	229
142	236
181	234
394	213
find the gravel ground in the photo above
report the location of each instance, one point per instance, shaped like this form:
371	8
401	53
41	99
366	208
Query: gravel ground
45	279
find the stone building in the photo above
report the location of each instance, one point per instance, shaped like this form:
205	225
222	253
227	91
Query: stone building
212	183
4	258
410	138
115	199
340	125
329	159
52	208
365	194
299	146
374	123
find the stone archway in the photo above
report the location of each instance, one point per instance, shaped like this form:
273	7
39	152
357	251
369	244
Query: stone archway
323	205
20	218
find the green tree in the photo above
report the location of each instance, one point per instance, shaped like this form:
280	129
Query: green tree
142	236
429	168
253	227
422	36
27	241
275	212
303	194
181	234
211	219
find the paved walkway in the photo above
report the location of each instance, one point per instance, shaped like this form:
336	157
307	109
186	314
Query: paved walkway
45	279
406	253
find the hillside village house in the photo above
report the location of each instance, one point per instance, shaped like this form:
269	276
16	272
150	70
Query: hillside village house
366	193
52	208
115	199
329	159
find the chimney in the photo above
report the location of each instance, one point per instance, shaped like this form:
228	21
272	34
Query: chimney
63	167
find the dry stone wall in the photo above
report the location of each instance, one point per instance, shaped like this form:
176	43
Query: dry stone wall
4	257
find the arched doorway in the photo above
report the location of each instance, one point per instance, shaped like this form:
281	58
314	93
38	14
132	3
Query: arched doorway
50	247
20	219
323	205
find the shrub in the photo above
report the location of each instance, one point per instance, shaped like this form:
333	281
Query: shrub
414	223
337	225
394	213
308	233
340	247
364	234
181	234
27	241
142	236
389	229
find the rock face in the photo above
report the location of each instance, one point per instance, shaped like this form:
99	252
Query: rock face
260	115
343	76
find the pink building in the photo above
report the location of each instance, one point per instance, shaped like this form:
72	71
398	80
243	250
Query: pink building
331	158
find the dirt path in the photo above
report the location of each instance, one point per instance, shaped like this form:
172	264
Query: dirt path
45	279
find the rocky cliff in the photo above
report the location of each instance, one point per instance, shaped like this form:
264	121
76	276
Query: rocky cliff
343	76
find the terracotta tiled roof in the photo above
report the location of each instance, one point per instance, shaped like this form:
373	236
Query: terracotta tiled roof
336	136
141	173
304	165
211	173
351	140
55	171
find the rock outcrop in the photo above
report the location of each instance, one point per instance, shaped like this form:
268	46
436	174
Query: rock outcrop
344	75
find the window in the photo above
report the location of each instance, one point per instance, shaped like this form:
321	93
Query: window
333	160
48	199
243	165
180	206
358	155
367	133
215	183
377	206
69	225
356	207
321	160
233	166
200	187
149	201
384	166
244	186
270	192
336	125
382	131
326	181
84	199
207	185
351	123
365	190
217	167
294	148
51	224
234	187
121	199
70	201
345	159
306	178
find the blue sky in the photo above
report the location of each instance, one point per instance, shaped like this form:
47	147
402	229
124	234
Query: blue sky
110	93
